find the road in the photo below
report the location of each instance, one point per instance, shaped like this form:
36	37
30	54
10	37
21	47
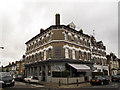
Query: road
27	86
19	85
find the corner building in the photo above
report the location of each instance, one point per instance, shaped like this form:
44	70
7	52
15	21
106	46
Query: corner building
57	50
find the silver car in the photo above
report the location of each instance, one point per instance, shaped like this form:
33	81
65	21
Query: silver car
32	79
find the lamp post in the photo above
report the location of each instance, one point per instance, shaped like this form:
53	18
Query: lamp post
2	47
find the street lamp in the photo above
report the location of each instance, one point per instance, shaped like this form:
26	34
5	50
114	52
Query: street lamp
2	47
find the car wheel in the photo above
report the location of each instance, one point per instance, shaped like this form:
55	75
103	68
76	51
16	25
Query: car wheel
28	81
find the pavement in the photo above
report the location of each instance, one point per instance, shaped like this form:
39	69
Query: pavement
56	85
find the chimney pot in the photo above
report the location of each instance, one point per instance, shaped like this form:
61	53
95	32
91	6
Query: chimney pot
57	17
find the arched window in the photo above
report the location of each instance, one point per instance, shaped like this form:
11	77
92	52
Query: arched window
40	41
85	56
89	56
36	57
32	58
72	38
80	55
66	35
40	55
83	41
49	53
79	39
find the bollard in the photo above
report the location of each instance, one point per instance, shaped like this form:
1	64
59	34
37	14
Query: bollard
77	82
59	82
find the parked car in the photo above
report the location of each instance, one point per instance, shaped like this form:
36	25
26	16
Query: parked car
115	78
99	80
31	79
19	78
6	79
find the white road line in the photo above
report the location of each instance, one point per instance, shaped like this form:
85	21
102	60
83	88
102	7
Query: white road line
36	85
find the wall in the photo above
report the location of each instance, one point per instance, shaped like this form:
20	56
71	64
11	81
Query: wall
67	80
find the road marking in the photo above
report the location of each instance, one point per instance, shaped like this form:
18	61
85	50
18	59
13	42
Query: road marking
36	85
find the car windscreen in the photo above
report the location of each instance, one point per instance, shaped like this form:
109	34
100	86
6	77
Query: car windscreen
98	78
29	76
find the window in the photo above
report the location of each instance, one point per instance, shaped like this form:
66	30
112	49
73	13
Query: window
45	39
36	42
40	41
94	60
85	56
89	56
49	53
33	45
49	70
73	54
88	44
40	55
79	39
72	38
36	57
50	36
80	55
83	41
66	53
98	61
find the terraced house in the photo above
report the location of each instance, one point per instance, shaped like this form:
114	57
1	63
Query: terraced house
60	52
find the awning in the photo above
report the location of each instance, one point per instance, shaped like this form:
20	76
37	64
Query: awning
80	67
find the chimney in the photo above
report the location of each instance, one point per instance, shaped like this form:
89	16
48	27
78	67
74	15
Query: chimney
57	17
41	30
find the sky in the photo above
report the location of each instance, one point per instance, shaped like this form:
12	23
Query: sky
20	20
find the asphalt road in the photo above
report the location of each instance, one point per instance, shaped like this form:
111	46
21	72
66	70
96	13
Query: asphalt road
27	86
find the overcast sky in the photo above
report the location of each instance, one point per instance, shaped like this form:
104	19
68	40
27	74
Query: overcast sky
20	20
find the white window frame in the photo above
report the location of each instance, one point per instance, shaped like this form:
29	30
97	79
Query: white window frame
45	55
66	53
73	54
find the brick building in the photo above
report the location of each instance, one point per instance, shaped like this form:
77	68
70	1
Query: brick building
60	48
98	55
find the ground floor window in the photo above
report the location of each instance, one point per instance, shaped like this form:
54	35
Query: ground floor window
49	70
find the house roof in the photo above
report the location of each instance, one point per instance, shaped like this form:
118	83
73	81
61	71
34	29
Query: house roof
57	26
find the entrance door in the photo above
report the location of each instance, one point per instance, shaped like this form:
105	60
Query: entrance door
43	76
43	73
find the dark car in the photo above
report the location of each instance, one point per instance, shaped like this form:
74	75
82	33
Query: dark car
6	79
115	78
99	80
19	78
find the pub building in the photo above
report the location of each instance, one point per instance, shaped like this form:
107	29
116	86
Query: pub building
61	53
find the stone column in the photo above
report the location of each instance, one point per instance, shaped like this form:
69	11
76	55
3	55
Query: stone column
46	73
30	70
41	72
33	71
38	70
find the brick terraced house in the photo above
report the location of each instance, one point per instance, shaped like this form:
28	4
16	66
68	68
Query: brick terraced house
62	53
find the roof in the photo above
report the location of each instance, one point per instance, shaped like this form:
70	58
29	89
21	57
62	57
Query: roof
57	26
